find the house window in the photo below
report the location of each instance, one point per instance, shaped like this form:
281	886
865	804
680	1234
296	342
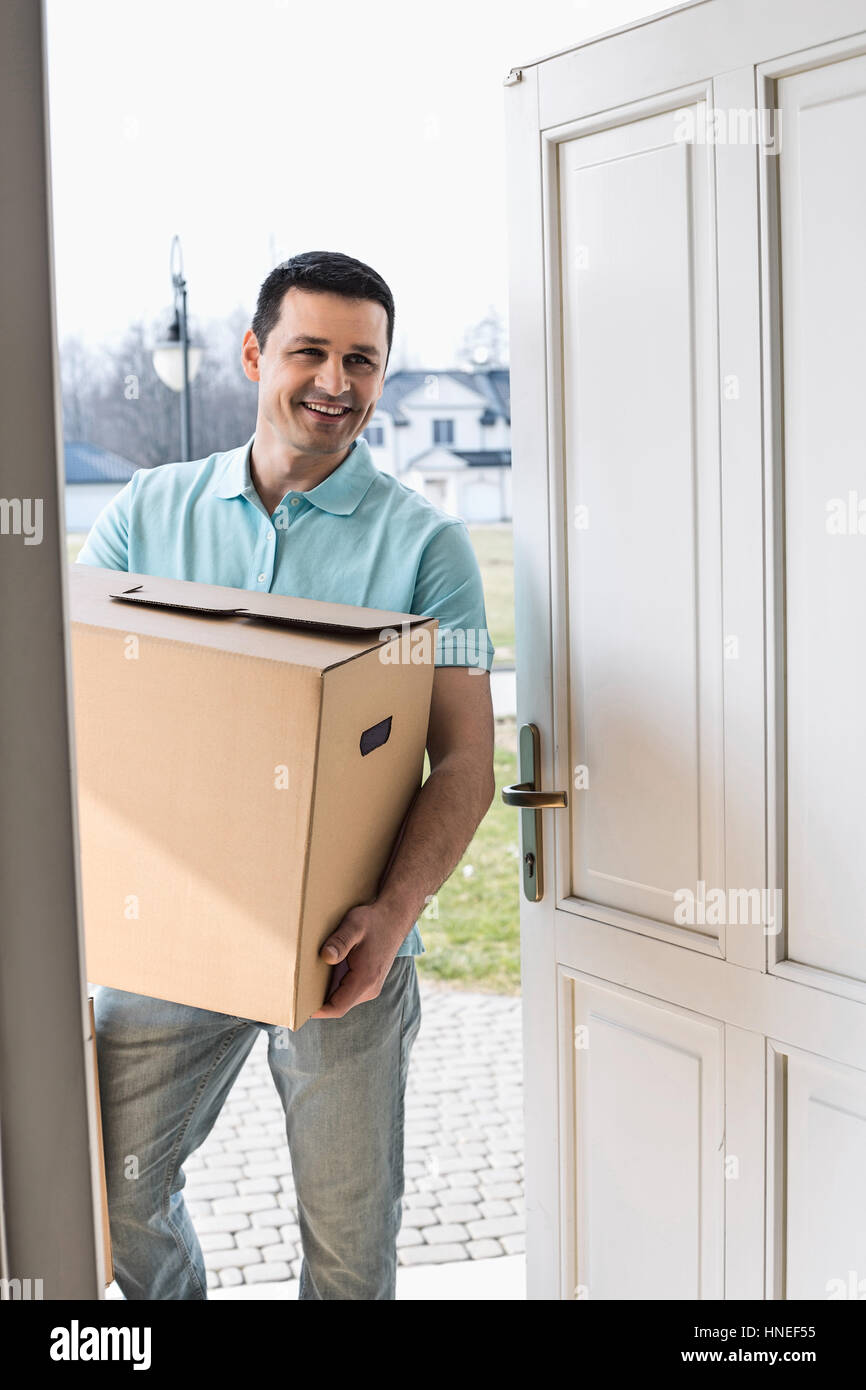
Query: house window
443	431
375	436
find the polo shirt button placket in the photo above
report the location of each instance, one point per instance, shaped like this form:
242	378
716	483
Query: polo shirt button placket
263	577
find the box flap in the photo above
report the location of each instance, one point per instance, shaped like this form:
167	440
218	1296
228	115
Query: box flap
304	632
286	611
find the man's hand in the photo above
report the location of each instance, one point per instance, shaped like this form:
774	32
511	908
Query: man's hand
438	826
367	940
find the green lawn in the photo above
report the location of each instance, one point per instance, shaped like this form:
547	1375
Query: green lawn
472	928
493	547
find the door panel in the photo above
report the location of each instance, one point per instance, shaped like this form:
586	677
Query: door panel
647	1100
822	205
642	514
825	1208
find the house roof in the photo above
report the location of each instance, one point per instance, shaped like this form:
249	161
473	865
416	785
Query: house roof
454	458
493	386
88	463
485	458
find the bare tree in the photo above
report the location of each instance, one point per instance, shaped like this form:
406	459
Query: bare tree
113	397
77	372
135	414
485	344
223	400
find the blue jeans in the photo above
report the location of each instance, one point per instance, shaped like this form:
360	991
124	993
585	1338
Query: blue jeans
165	1071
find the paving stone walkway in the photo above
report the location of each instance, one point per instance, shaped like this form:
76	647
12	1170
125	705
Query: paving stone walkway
463	1152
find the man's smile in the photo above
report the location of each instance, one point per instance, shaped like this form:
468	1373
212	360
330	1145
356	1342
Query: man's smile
325	414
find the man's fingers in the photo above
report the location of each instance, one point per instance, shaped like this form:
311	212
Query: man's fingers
344	996
339	970
338	945
350	992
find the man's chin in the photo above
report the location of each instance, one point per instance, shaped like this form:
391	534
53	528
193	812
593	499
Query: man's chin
310	440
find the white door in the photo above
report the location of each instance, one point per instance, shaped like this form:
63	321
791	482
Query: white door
690	551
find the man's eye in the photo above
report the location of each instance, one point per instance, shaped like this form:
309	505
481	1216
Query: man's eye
356	355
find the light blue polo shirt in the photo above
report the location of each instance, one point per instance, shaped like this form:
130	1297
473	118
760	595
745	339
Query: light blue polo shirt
360	537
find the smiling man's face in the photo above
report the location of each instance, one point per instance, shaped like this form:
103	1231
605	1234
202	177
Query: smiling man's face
327	351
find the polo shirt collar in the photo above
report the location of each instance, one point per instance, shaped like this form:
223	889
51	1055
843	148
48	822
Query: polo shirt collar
339	493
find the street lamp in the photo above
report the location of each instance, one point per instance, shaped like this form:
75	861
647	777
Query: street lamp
175	359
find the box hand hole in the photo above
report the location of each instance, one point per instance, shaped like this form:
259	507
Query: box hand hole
376	735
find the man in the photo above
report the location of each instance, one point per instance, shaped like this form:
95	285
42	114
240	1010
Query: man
301	509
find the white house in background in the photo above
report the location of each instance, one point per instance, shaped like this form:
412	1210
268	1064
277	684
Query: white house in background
93	476
448	435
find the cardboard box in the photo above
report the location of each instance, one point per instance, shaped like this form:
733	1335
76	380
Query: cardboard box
245	762
106	1231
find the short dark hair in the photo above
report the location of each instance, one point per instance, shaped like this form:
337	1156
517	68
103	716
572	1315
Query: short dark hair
322	271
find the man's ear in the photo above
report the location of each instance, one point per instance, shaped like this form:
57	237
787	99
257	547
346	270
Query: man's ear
250	356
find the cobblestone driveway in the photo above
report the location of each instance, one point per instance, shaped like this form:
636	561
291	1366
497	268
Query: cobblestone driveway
464	1159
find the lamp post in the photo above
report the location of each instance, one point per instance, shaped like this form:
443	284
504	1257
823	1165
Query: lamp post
175	359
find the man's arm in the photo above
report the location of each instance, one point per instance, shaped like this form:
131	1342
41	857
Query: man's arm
439	825
107	543
455	797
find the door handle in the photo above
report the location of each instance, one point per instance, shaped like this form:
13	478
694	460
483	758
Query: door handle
526	795
531	799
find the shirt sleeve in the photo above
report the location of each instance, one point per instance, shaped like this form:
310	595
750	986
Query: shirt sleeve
448	587
107	544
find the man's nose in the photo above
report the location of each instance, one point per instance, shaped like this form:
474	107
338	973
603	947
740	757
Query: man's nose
331	376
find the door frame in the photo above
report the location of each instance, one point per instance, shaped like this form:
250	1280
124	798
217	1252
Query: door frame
50	1205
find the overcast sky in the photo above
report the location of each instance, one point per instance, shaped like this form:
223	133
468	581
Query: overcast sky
259	128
